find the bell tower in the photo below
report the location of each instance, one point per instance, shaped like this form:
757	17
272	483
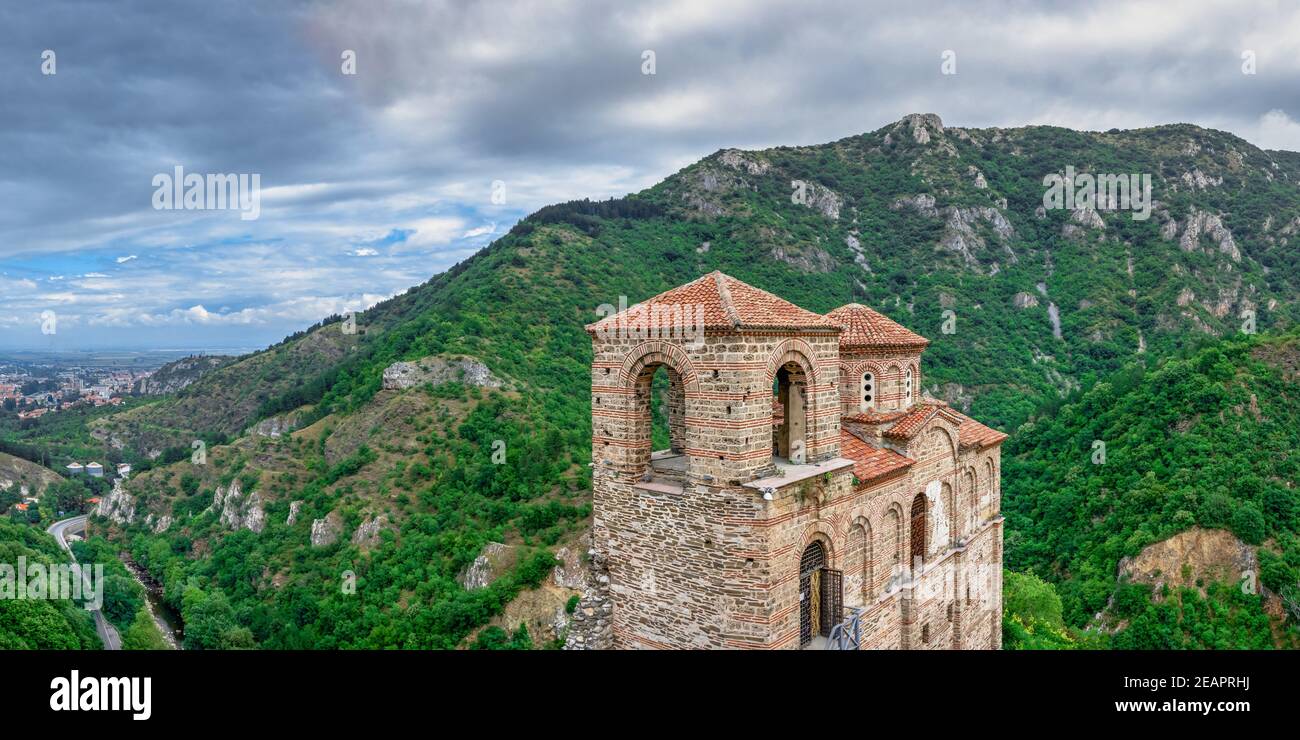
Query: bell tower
753	391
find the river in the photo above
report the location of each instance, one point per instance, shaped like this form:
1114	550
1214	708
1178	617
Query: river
169	622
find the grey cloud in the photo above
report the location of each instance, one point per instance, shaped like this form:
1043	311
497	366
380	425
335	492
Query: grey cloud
450	96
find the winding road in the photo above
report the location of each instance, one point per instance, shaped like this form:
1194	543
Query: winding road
60	529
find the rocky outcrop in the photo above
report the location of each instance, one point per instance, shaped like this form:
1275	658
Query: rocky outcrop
922	203
953	394
810	259
276	425
560	623
922	126
962	226
294	508
749	163
820	198
1024	300
491	562
163	524
118	506
1088	217
859	259
236	511
367	534
1200	223
1193	558
174	376
708	184
1197	180
325	532
960	234
436	370
255	513
570	571
1054	316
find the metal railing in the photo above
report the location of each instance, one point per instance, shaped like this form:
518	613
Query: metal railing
847	635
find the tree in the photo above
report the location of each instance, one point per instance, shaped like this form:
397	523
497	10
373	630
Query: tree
143	634
1248	524
123	597
67	496
210	623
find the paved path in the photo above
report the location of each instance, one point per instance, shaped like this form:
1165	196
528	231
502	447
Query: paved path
60	530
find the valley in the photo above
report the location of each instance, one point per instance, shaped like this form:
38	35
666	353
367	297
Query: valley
334	490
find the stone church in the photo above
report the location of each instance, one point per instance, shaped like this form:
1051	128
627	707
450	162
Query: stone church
806	483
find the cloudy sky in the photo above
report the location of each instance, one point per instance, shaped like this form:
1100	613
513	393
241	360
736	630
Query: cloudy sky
374	181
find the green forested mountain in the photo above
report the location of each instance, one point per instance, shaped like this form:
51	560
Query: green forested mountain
1209	440
914	219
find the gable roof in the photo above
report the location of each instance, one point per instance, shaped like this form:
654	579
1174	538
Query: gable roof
724	303
970	433
910	425
864	328
870	462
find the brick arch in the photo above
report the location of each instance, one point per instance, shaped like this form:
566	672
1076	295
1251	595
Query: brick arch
948	496
801	353
862	366
991	485
821	531
891	379
797	351
950	437
893	533
966	501
659	353
851	378
867	564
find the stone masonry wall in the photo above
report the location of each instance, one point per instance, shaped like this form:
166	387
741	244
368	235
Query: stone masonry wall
714	565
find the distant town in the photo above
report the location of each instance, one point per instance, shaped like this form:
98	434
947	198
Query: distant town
33	385
33	393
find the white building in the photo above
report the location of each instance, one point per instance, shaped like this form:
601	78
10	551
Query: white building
95	470
75	468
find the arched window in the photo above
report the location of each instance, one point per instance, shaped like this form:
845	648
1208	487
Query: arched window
907	386
918	530
789	414
658	422
868	401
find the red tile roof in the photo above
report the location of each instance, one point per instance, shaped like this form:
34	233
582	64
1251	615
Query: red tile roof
864	328
870	463
725	302
911	424
971	433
